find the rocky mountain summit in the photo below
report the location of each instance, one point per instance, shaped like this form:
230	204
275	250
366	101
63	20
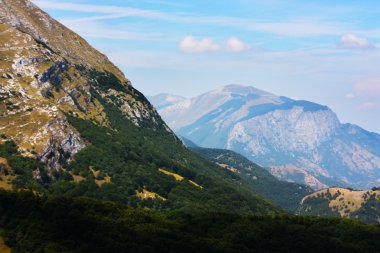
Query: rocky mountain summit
299	141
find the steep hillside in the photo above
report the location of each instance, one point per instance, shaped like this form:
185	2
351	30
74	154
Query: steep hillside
71	124
285	194
359	205
299	140
47	72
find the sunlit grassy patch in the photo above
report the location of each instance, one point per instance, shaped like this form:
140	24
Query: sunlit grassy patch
145	194
344	201
6	183
100	182
4	248
195	184
78	178
176	176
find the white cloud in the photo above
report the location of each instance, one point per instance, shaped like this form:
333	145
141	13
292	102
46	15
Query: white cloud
236	45
191	45
351	41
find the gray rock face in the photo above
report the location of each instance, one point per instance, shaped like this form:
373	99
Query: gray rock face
298	140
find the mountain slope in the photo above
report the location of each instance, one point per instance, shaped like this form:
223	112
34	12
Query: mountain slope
301	141
73	125
285	194
341	202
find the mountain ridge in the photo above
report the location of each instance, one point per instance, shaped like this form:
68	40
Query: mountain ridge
276	132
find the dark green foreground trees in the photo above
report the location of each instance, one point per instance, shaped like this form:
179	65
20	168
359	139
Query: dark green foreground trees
58	224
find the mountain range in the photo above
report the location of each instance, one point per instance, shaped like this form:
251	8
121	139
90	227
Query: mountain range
298	141
87	165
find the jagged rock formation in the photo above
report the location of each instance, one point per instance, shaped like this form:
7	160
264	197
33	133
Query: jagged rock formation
300	141
47	72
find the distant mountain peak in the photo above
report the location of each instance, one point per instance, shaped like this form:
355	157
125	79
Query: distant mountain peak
279	131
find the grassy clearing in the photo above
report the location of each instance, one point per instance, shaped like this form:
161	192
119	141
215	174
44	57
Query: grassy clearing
145	194
176	176
100	182
179	178
6	182
345	201
4	248
77	178
230	168
195	184
3	162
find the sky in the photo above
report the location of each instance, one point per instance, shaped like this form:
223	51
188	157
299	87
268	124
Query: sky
325	51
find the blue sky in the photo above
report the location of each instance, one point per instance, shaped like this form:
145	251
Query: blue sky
323	51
